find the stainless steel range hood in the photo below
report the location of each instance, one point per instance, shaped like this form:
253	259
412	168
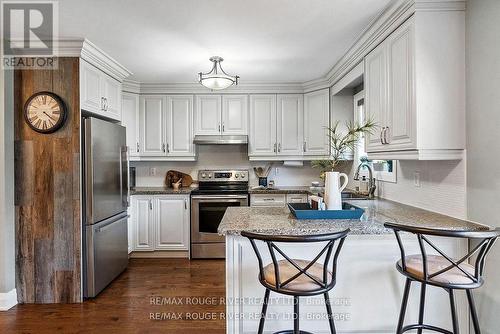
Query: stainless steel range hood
220	140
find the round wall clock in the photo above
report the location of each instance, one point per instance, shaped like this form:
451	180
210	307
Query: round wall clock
45	112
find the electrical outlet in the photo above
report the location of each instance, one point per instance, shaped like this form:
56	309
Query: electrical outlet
152	171
416	179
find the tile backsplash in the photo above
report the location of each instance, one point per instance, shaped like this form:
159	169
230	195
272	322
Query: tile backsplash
225	156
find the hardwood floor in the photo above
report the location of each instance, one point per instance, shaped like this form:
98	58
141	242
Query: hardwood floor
126	305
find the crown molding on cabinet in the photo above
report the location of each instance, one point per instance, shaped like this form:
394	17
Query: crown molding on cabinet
88	51
131	86
196	88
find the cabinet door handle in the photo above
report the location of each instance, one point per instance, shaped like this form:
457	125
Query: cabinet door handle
163	147
137	147
274	149
304	146
150	205
223	127
185	204
168	148
268	199
102	103
385	135
219	127
279	147
382	135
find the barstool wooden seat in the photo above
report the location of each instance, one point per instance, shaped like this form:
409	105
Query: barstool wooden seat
442	271
298	277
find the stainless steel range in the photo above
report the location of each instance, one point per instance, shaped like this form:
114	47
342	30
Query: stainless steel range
218	190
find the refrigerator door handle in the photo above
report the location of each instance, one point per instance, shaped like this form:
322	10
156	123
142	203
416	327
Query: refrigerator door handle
124	182
89	171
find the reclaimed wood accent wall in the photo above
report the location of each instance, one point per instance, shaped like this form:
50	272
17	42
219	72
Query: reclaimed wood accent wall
47	194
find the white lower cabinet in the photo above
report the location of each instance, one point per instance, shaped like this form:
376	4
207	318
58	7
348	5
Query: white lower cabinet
142	220
276	200
160	222
297	198
172	222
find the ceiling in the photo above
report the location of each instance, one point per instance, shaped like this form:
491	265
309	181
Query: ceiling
170	41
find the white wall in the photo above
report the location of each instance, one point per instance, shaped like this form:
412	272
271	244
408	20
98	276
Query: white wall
225	156
7	241
483	140
442	186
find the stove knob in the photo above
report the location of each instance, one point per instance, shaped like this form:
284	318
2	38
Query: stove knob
236	175
203	175
209	175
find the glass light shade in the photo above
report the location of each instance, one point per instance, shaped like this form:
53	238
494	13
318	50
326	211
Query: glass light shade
217	79
216	82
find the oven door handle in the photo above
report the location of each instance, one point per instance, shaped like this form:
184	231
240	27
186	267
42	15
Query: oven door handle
219	197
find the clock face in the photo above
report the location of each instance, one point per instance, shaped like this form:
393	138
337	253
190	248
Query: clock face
45	112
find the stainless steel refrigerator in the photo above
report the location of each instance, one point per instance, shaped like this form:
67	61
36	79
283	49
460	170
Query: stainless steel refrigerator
105	202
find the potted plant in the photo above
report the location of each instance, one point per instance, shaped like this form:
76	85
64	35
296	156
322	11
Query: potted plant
341	143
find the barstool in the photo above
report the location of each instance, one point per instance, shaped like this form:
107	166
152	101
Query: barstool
442	271
298	278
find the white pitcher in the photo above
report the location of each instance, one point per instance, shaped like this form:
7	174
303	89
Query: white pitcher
333	190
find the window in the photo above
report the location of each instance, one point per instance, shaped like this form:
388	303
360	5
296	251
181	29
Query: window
384	170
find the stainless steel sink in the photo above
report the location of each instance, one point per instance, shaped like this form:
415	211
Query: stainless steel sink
347	195
352	195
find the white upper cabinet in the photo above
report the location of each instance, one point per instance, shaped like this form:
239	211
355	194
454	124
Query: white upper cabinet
130	120
91	98
375	96
316	121
152	125
389	78
290	124
166	128
416	95
234	114
172	222
221	115
99	92
400	119
179	125
112	97
262	136
208	114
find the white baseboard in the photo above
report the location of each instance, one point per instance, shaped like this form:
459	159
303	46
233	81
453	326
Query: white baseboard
8	300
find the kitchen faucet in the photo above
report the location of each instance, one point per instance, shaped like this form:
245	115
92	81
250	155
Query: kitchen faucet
372	186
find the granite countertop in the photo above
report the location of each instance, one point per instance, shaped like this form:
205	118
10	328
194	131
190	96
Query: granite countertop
160	191
279	221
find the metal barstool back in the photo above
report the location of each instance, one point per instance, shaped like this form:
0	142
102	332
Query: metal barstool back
442	270
302	282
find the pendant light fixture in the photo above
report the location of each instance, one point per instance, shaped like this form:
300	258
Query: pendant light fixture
217	79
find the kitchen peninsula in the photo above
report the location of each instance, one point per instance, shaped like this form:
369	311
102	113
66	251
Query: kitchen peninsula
368	293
